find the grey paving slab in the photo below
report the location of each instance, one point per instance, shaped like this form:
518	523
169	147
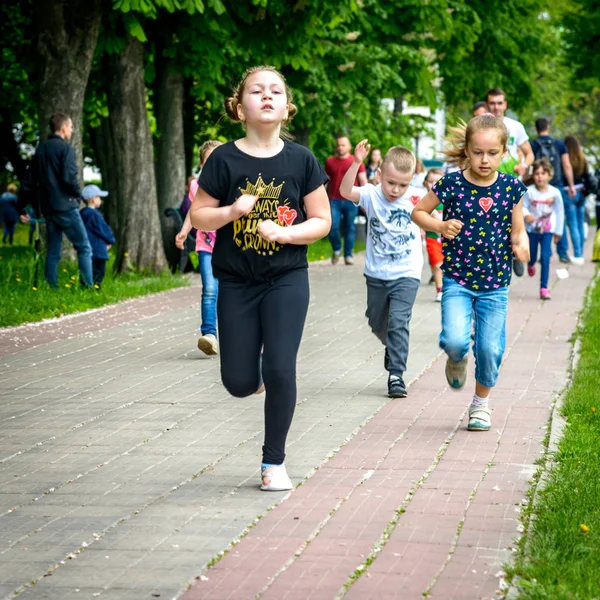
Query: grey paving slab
120	441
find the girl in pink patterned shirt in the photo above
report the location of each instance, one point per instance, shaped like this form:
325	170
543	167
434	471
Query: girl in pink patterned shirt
205	242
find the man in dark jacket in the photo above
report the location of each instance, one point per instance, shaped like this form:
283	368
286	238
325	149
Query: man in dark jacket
54	179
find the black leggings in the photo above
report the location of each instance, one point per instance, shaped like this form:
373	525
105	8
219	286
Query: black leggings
269	317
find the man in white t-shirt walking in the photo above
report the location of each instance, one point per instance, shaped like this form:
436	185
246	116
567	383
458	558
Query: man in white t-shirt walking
519	156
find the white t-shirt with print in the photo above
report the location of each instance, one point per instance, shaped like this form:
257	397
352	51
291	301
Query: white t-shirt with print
517	136
393	240
546	208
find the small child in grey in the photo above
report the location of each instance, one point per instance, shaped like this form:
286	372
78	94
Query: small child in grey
394	256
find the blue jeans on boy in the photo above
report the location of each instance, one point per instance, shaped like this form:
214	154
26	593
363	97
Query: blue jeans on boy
210	293
463	310
72	226
544	242
348	211
574	219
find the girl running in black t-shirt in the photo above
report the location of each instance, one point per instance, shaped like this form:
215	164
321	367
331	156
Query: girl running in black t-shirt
266	197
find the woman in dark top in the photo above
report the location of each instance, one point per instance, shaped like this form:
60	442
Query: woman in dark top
575	207
266	197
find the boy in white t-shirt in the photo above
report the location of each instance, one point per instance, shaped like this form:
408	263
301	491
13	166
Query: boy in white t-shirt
544	220
394	257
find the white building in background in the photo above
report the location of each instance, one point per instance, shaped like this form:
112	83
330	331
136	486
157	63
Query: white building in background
426	147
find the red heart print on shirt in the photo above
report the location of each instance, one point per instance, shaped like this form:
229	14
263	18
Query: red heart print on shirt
286	215
415	200
486	203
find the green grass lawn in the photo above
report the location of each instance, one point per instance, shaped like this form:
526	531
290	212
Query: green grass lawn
321	250
561	558
22	302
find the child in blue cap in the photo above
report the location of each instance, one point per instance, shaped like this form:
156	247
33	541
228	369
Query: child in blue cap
99	232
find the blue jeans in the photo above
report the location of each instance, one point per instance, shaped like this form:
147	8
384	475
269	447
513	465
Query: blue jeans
210	293
463	310
9	232
574	219
544	241
72	226
346	210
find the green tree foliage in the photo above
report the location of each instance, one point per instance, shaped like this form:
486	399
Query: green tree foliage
503	45
350	63
17	90
566	88
581	22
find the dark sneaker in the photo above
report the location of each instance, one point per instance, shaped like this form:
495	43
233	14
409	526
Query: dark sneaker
564	259
386	360
396	387
518	268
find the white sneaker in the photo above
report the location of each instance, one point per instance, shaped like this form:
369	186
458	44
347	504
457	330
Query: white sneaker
275	479
438	297
208	344
577	260
479	418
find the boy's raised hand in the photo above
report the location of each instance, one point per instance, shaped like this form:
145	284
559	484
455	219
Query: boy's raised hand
361	151
451	228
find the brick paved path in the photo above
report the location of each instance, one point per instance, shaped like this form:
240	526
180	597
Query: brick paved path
126	467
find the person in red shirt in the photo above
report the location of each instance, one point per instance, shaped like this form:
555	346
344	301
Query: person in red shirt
336	167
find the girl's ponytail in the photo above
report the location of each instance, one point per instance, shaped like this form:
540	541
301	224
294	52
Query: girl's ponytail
456	144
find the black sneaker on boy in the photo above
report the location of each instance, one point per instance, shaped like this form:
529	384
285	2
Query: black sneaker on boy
518	268
396	387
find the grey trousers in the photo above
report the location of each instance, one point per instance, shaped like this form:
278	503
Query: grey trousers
389	309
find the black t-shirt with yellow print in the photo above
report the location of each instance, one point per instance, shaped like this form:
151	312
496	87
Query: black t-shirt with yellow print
281	182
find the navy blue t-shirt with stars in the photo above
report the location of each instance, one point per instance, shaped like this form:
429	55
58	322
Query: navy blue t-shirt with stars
480	256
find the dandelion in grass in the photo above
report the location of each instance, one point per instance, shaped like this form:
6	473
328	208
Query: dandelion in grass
96	286
126	254
67	285
34	289
583	528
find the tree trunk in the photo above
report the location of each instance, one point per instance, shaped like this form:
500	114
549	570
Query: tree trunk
189	127
302	135
104	147
170	166
138	236
67	36
398	105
